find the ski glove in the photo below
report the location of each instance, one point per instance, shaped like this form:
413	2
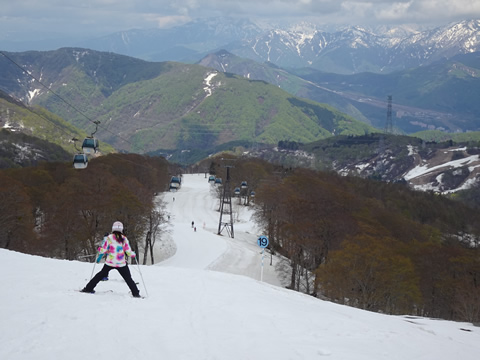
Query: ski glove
133	255
99	258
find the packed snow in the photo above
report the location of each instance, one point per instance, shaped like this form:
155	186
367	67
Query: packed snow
423	169
203	301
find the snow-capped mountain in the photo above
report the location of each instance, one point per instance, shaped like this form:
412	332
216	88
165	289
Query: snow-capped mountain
350	50
443	42
356	49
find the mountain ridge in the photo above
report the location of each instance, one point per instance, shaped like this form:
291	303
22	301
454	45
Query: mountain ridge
345	50
436	96
145	106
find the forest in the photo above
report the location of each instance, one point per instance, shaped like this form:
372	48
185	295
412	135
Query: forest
57	211
364	243
369	244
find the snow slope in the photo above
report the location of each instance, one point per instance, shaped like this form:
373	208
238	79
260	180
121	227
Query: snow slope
201	306
203	248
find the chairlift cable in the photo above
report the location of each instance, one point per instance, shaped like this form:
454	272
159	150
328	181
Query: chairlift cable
70	135
61	98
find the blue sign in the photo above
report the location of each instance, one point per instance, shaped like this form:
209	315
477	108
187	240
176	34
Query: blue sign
262	241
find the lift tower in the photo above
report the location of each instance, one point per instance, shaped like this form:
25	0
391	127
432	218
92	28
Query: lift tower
226	207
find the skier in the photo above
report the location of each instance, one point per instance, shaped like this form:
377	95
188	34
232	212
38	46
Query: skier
116	247
193	223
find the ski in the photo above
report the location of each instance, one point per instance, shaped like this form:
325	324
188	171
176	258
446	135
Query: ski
95	292
101	292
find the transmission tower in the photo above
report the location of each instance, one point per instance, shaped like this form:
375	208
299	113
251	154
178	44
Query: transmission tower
226	210
389	124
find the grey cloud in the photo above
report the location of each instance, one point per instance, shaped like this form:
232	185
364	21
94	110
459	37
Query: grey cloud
91	17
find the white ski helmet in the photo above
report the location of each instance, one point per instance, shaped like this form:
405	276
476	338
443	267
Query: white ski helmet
117	226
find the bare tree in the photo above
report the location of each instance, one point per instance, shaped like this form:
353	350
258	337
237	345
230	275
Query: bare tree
155	219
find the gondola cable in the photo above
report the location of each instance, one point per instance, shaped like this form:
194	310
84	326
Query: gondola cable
80	160
61	98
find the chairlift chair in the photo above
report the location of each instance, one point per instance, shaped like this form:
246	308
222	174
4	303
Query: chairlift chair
244	185
237	191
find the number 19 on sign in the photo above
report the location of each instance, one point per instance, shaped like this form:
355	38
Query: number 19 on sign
263	243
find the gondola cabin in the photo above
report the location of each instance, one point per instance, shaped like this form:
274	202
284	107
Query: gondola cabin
90	145
80	161
175	183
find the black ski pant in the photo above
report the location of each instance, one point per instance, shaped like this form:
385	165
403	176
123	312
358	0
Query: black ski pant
123	270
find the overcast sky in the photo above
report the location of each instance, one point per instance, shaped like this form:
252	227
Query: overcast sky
101	17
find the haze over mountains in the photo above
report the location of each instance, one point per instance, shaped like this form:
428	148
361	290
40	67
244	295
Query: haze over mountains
348	50
159	107
434	63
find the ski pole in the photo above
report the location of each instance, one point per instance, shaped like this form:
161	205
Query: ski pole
94	263
86	256
95	260
143	281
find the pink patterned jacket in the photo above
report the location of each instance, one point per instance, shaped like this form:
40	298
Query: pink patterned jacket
116	250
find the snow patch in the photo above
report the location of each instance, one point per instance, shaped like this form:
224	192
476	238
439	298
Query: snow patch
209	87
424	169
32	94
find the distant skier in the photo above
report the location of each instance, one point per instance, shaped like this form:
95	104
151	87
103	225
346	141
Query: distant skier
193	224
116	247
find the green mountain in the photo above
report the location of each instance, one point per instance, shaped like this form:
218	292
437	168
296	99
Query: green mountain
144	106
289	81
440	96
441	136
37	122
